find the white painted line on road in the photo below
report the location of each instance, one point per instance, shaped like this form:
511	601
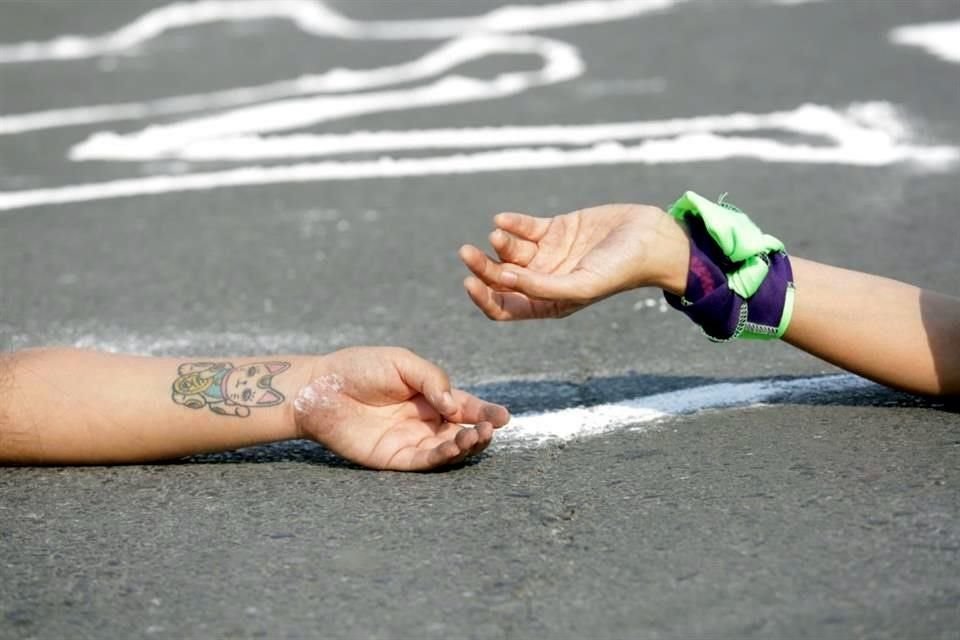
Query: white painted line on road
686	148
236	121
316	18
865	133
533	429
941	39
561	62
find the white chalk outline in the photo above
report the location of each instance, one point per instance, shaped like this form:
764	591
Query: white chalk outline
316	18
873	134
940	39
561	62
869	134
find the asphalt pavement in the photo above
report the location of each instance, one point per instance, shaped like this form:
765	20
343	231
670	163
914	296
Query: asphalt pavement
834	515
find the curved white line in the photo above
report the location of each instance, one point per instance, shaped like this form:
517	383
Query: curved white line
580	422
689	148
316	18
940	39
847	128
561	61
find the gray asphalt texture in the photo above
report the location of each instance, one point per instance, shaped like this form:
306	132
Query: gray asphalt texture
837	516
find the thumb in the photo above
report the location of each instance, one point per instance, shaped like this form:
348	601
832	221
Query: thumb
428	379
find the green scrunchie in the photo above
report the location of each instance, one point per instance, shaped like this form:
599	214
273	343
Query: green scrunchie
736	235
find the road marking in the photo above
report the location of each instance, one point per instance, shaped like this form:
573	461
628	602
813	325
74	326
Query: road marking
353	89
640	413
316	18
941	39
243	124
868	134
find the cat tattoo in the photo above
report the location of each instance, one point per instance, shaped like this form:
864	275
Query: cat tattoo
226	389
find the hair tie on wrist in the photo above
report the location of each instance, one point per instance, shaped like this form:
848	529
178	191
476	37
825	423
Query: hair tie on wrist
739	282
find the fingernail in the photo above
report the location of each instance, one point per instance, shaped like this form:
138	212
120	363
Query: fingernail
508	278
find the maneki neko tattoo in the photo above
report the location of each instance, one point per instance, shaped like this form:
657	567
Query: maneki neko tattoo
226	389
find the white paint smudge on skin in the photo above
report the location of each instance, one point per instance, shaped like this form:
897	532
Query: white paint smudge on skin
321	393
315	18
941	39
533	429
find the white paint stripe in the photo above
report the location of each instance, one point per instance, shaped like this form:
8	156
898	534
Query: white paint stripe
561	62
692	148
870	126
941	39
532	429
315	18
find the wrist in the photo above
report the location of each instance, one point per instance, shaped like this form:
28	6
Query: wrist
670	253
739	281
311	404
308	370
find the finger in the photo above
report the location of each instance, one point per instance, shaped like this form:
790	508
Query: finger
428	379
499	305
416	459
490	272
488	300
473	410
510	248
480	264
466	439
484	437
522	225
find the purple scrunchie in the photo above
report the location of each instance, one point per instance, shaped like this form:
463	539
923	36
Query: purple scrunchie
708	300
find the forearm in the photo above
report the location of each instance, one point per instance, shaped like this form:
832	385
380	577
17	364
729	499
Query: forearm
888	331
885	330
67	406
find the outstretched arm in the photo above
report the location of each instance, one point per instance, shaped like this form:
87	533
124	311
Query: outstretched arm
380	407
891	332
885	330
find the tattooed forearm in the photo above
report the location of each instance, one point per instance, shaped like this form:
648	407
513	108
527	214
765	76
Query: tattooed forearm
226	389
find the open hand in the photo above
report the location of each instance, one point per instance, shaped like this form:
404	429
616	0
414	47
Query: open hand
552	267
387	408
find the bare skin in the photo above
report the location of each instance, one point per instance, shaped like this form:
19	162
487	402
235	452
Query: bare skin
392	410
894	333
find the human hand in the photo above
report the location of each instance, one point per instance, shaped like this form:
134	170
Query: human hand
552	267
387	408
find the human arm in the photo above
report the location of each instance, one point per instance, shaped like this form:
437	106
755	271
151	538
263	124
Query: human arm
891	332
381	407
